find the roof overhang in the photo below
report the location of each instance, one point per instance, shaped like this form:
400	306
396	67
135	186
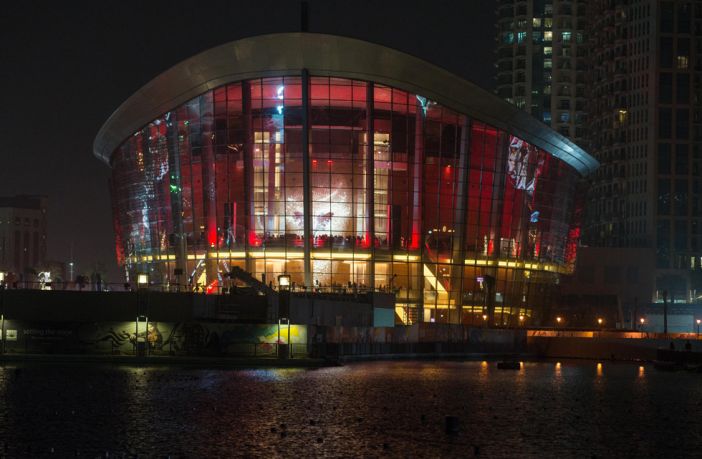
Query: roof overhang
286	54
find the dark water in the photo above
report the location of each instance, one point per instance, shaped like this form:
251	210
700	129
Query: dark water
388	409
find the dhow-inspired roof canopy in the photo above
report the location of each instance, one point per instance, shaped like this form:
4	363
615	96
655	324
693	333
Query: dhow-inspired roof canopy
286	54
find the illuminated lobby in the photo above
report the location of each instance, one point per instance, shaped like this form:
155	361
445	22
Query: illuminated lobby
346	165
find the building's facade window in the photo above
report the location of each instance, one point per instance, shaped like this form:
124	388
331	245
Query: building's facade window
682	62
680	198
663	243
682	89
681	236
666	52
665	85
682	123
664	158
667	16
663	197
682	165
665	123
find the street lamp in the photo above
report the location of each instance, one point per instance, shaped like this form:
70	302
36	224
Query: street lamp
558	320
284	281
521	319
600	321
142	280
284	312
142	313
698	327
642	320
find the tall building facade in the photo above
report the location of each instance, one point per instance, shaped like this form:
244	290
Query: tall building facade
541	61
346	165
645	124
22	233
638	68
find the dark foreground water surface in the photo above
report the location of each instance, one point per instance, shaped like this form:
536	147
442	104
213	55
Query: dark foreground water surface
389	409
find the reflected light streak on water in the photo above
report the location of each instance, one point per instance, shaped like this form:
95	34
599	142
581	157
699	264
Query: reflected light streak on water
271	374
484	369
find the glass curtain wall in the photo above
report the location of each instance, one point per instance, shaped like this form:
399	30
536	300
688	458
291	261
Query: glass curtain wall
462	221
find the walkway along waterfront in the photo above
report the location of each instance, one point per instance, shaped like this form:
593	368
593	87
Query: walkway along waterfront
191	326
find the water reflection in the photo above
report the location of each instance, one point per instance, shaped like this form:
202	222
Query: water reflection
484	369
368	409
272	374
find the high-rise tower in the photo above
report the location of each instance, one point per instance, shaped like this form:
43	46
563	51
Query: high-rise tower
541	61
645	125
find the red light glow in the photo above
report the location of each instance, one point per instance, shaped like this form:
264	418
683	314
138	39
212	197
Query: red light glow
212	287
254	241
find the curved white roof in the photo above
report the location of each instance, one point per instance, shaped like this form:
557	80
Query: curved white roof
286	54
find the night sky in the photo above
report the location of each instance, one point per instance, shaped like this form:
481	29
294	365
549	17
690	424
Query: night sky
64	68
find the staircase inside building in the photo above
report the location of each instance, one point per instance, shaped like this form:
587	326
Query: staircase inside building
437	285
247	278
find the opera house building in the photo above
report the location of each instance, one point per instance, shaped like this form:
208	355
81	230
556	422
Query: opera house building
346	165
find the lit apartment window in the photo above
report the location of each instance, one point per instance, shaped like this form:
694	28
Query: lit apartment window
548	63
508	37
547	117
565	36
565	117
548	51
682	62
548	35
536	22
521	36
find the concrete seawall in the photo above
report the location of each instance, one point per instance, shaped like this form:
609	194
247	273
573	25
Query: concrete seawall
602	347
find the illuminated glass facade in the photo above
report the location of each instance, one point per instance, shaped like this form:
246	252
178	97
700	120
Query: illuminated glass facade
347	184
